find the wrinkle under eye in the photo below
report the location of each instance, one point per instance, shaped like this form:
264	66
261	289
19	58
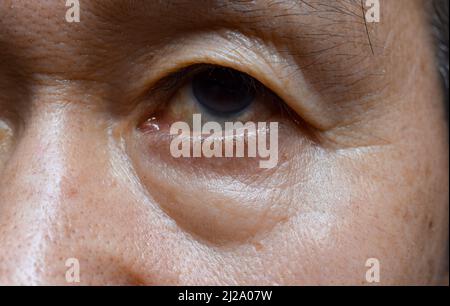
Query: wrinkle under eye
223	91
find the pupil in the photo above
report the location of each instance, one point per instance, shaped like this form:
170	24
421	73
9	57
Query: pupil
223	91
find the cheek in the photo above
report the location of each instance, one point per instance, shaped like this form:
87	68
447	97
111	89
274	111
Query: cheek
342	210
218	200
317	218
359	206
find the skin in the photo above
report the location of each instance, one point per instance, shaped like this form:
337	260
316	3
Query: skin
365	176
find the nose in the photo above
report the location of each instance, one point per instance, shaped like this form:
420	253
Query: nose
30	193
48	209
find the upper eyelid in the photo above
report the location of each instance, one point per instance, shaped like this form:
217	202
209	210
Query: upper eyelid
277	71
179	78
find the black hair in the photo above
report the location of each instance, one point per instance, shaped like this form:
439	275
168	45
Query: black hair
441	32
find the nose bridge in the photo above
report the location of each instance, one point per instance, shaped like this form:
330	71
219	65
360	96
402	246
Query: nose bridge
38	159
31	194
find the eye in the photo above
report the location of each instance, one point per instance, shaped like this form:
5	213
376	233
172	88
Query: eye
223	91
218	93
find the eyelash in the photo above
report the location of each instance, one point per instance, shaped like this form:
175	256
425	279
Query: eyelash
170	84
177	79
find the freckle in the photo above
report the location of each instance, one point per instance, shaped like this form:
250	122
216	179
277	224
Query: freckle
283	219
72	192
258	246
406	216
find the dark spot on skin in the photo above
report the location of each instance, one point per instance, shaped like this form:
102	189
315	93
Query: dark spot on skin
258	246
71	193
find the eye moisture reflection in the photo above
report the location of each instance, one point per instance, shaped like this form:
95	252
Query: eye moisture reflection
222	91
218	94
219	113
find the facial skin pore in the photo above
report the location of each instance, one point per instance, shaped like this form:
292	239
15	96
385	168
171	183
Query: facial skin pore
365	177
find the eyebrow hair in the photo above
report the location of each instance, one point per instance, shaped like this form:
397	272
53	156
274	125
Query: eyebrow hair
367	27
440	26
308	31
316	34
248	11
341	20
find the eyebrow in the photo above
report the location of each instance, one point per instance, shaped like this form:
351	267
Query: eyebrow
314	32
292	21
242	12
318	34
337	23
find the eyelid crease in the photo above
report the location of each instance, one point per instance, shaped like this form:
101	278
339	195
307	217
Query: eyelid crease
179	78
233	50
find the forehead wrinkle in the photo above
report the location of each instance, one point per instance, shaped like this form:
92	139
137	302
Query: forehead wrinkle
246	11
287	20
109	19
255	16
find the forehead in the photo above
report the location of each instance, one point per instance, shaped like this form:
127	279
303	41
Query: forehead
118	19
